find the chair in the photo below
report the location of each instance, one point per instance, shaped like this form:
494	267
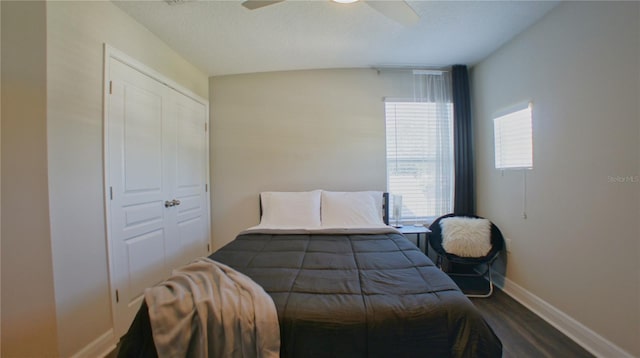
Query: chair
497	245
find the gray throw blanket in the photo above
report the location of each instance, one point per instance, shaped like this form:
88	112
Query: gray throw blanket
207	309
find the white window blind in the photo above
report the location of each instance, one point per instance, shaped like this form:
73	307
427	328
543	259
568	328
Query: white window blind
420	157
513	140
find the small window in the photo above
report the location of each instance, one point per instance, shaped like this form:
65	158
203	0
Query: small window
514	140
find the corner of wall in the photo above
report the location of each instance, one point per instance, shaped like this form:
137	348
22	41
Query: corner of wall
28	321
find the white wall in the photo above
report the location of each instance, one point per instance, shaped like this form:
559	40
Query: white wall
55	296
293	131
28	306
579	248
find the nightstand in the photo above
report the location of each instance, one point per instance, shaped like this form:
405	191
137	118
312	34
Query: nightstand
418	231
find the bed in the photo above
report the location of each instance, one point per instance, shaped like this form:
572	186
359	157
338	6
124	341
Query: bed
345	284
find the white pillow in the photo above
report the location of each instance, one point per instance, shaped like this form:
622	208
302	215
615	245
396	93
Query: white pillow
290	210
465	236
359	209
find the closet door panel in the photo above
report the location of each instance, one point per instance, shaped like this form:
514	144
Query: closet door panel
191	146
142	141
191	177
138	187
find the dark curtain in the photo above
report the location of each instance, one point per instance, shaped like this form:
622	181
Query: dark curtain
464	197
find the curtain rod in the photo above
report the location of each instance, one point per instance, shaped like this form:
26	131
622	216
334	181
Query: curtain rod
417	70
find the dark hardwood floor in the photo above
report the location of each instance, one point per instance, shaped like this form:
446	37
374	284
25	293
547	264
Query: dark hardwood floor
523	334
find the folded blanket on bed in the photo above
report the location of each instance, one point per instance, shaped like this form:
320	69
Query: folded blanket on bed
207	309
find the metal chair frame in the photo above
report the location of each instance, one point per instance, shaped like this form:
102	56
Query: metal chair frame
487	271
497	242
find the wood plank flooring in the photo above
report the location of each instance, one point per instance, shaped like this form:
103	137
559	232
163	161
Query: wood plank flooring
523	334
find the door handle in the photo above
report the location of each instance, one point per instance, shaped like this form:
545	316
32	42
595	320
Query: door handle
174	202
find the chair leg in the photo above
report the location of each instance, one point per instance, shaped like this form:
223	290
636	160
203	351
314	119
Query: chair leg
488	294
439	261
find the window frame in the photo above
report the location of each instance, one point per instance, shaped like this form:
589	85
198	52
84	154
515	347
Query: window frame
423	161
505	135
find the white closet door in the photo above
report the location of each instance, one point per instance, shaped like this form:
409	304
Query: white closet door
157	155
190	179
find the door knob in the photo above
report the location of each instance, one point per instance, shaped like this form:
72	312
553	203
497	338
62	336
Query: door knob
174	202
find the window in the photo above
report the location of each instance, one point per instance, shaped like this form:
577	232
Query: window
513	139
420	158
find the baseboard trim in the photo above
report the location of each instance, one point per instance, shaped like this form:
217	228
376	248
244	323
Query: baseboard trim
100	347
579	333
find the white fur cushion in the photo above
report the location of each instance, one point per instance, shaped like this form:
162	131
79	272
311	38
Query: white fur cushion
466	237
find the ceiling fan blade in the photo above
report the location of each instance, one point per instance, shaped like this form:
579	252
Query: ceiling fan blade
398	11
256	4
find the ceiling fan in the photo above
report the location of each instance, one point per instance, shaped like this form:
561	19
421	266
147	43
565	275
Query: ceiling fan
397	10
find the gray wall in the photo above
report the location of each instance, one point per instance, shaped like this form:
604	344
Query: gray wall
578	250
55	289
76	32
292	131
28	306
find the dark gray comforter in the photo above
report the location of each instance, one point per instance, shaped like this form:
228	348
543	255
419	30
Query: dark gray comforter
369	295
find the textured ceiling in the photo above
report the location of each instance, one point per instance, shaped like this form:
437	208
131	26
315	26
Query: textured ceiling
222	37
